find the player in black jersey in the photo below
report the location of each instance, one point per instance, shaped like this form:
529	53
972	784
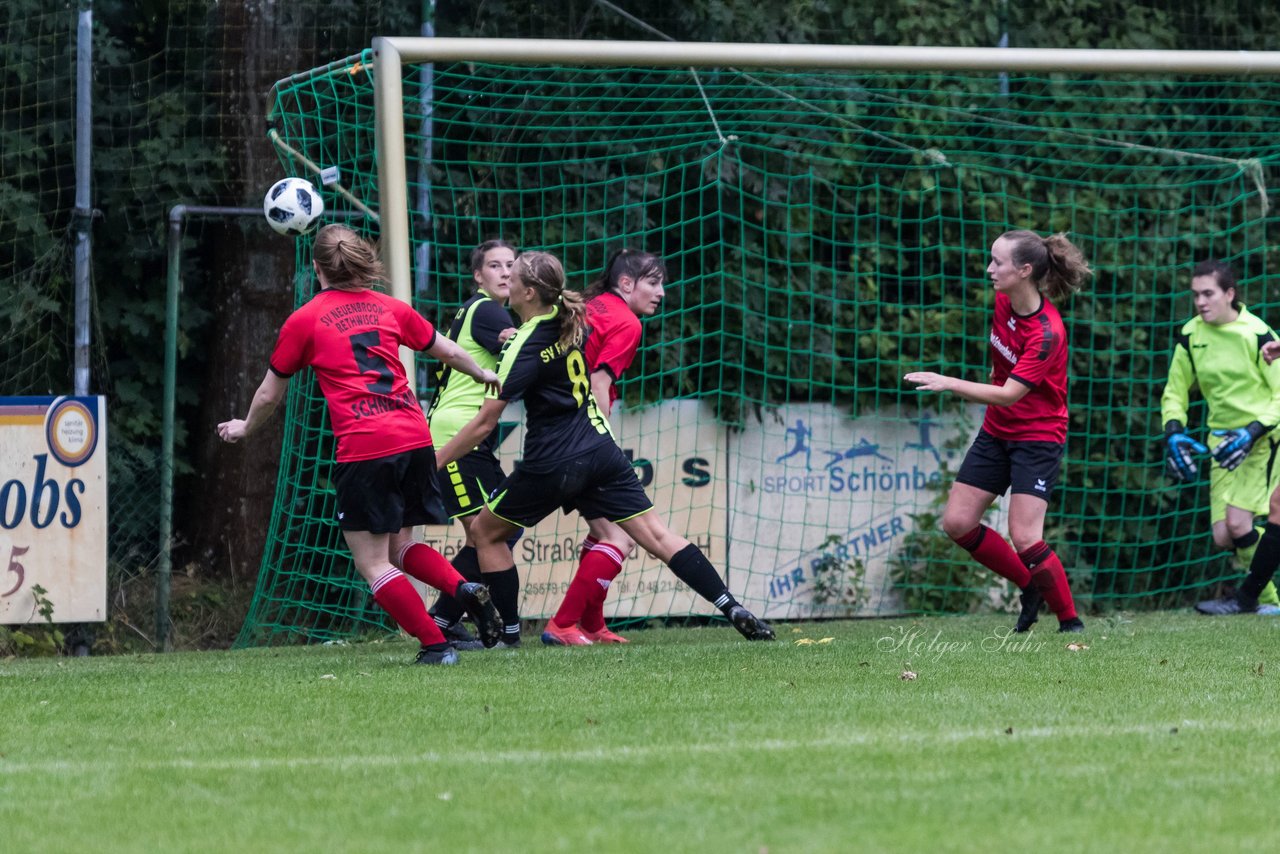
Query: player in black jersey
570	457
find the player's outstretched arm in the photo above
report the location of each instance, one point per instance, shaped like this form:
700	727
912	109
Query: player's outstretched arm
265	401
472	433
993	395
460	360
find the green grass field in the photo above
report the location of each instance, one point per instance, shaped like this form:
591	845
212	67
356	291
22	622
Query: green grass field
1160	736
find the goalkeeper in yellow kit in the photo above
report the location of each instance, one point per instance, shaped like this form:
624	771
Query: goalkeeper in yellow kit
1220	352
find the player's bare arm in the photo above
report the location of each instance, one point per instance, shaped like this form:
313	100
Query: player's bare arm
460	360
471	434
601	382
265	400
992	395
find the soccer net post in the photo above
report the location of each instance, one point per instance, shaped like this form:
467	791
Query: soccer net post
825	213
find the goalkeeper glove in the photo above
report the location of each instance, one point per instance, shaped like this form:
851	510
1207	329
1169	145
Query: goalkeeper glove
1179	448
1236	444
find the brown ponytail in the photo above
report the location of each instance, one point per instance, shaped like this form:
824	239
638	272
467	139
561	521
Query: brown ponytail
347	261
542	272
1058	267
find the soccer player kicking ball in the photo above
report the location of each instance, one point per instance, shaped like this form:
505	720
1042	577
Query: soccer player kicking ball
1023	436
1266	555
350	336
570	458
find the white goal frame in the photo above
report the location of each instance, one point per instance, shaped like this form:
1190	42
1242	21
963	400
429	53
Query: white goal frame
391	53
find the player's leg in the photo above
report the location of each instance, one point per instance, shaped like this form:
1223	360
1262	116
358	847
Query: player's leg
370	507
521	501
603	552
688	563
612	548
448	611
962	522
393	592
1243	494
1262	569
498	569
417	486
464	484
1243	535
1034	469
614	492
1044	568
430	567
984	475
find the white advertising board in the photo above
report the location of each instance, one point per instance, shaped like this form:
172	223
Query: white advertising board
809	481
765	502
53	508
679	455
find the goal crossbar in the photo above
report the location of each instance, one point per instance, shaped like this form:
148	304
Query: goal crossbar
391	53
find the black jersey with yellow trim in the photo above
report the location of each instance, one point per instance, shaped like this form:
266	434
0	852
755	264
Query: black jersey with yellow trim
562	421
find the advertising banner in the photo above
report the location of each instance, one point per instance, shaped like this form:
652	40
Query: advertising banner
812	490
801	497
53	509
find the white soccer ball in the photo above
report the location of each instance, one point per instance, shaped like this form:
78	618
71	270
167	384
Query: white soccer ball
292	206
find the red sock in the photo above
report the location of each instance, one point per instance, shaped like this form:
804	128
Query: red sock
575	598
1050	579
429	566
994	552
397	597
602	564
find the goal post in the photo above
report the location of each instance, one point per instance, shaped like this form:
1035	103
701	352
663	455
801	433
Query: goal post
826	215
391	53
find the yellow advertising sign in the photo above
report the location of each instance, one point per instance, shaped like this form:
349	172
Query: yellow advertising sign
53	509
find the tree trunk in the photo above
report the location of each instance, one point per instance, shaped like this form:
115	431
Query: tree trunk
227	504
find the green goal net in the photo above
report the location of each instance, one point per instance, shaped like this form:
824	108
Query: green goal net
826	232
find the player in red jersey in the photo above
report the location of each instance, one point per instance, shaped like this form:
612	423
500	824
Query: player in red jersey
385	473
629	288
1023	436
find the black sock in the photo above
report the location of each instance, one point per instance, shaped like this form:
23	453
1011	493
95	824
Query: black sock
691	566
1245	541
504	587
447	610
1264	563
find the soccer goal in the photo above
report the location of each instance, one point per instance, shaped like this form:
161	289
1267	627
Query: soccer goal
825	214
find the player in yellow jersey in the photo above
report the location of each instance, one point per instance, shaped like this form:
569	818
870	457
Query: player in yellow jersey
1220	352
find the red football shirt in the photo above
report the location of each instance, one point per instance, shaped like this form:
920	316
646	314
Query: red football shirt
1033	350
352	340
614	338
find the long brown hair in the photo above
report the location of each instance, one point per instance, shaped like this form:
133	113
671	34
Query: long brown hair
347	260
632	263
1058	267
544	273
